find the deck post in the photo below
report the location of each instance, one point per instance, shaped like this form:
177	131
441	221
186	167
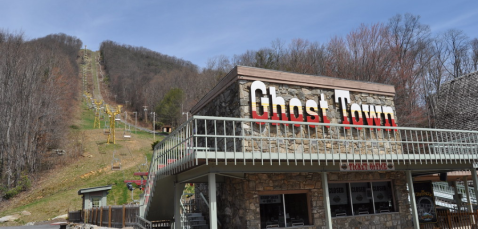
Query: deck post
212	201
468	197
325	187
413	203
475	181
177	207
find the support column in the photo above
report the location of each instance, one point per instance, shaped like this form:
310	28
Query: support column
325	187
457	196
475	182
468	197
211	177
178	191
413	203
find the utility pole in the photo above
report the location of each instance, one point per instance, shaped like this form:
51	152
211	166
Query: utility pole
135	121
146	113
154	125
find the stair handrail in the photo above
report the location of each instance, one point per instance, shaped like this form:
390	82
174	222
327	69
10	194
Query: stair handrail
184	219
204	198
140	221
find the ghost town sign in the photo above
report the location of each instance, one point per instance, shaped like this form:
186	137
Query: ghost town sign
316	112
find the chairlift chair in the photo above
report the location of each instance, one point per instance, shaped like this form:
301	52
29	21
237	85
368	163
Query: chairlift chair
127	134
107	129
127	128
115	163
102	116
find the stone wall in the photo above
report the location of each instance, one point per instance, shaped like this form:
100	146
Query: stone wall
328	138
235	101
305	93
238	199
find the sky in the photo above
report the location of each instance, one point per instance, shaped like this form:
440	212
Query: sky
197	30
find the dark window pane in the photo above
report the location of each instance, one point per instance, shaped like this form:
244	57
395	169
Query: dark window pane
296	209
361	198
382	195
272	210
339	200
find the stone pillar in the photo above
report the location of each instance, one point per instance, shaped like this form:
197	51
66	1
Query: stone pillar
212	200
325	187
413	203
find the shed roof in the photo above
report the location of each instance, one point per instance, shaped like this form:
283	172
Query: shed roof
94	189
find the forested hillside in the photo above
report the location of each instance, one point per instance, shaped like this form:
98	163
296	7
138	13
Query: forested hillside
38	89
402	52
140	77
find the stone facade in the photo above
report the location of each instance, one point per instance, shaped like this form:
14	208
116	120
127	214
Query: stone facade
238	199
334	114
305	93
235	101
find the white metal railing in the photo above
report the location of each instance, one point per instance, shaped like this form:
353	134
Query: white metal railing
143	223
443	190
186	207
207	139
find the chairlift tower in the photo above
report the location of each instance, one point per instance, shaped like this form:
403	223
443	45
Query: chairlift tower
112	115
97	113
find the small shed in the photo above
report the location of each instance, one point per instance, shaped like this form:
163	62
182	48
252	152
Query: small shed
94	197
167	128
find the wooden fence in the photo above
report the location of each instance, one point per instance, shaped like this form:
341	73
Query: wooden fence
111	216
453	219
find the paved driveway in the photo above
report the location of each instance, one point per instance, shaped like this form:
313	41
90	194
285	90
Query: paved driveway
47	226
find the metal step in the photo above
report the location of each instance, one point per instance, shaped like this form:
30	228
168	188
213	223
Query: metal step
196	221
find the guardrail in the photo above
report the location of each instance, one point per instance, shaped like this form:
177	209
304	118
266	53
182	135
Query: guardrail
206	139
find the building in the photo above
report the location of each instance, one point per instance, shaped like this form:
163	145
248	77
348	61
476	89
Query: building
94	197
456	103
278	149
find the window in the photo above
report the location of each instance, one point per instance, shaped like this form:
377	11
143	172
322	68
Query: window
293	206
360	198
96	202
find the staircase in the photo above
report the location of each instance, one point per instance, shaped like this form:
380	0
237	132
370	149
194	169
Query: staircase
195	221
190	219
